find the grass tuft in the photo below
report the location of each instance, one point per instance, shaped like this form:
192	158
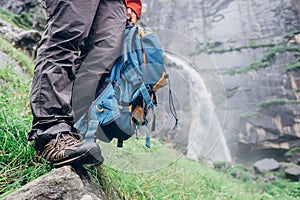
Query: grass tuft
16	161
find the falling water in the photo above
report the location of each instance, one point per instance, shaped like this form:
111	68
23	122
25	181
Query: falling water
206	139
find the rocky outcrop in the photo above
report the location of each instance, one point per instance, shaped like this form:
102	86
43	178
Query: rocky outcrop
62	183
32	12
254	46
18	6
26	8
25	40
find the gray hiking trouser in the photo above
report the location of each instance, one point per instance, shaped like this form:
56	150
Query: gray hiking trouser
80	44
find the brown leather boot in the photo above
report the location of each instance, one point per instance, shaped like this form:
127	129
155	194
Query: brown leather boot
65	149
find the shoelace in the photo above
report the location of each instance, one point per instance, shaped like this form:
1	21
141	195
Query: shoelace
65	138
56	149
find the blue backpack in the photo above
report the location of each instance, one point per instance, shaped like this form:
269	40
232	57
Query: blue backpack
122	106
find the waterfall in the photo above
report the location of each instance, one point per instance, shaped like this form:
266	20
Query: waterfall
206	139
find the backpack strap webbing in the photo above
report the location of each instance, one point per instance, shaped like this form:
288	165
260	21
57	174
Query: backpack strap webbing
146	96
120	143
147	144
91	129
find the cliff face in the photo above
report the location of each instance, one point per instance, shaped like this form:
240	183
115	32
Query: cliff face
254	46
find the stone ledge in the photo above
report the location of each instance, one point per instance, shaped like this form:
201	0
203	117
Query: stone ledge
62	183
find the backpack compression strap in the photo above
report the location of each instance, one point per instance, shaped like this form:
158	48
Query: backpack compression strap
88	127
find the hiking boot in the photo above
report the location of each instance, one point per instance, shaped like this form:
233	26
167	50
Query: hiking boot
65	149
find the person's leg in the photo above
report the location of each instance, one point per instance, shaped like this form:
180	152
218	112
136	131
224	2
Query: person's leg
104	47
68	26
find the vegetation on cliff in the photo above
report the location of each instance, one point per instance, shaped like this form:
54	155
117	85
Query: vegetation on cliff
268	57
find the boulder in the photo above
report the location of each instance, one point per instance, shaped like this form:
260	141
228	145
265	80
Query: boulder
62	183
292	172
266	165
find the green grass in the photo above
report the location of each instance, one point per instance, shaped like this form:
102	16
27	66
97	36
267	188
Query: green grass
16	162
21	58
186	179
278	188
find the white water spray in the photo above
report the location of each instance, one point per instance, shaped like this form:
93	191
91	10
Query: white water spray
206	139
